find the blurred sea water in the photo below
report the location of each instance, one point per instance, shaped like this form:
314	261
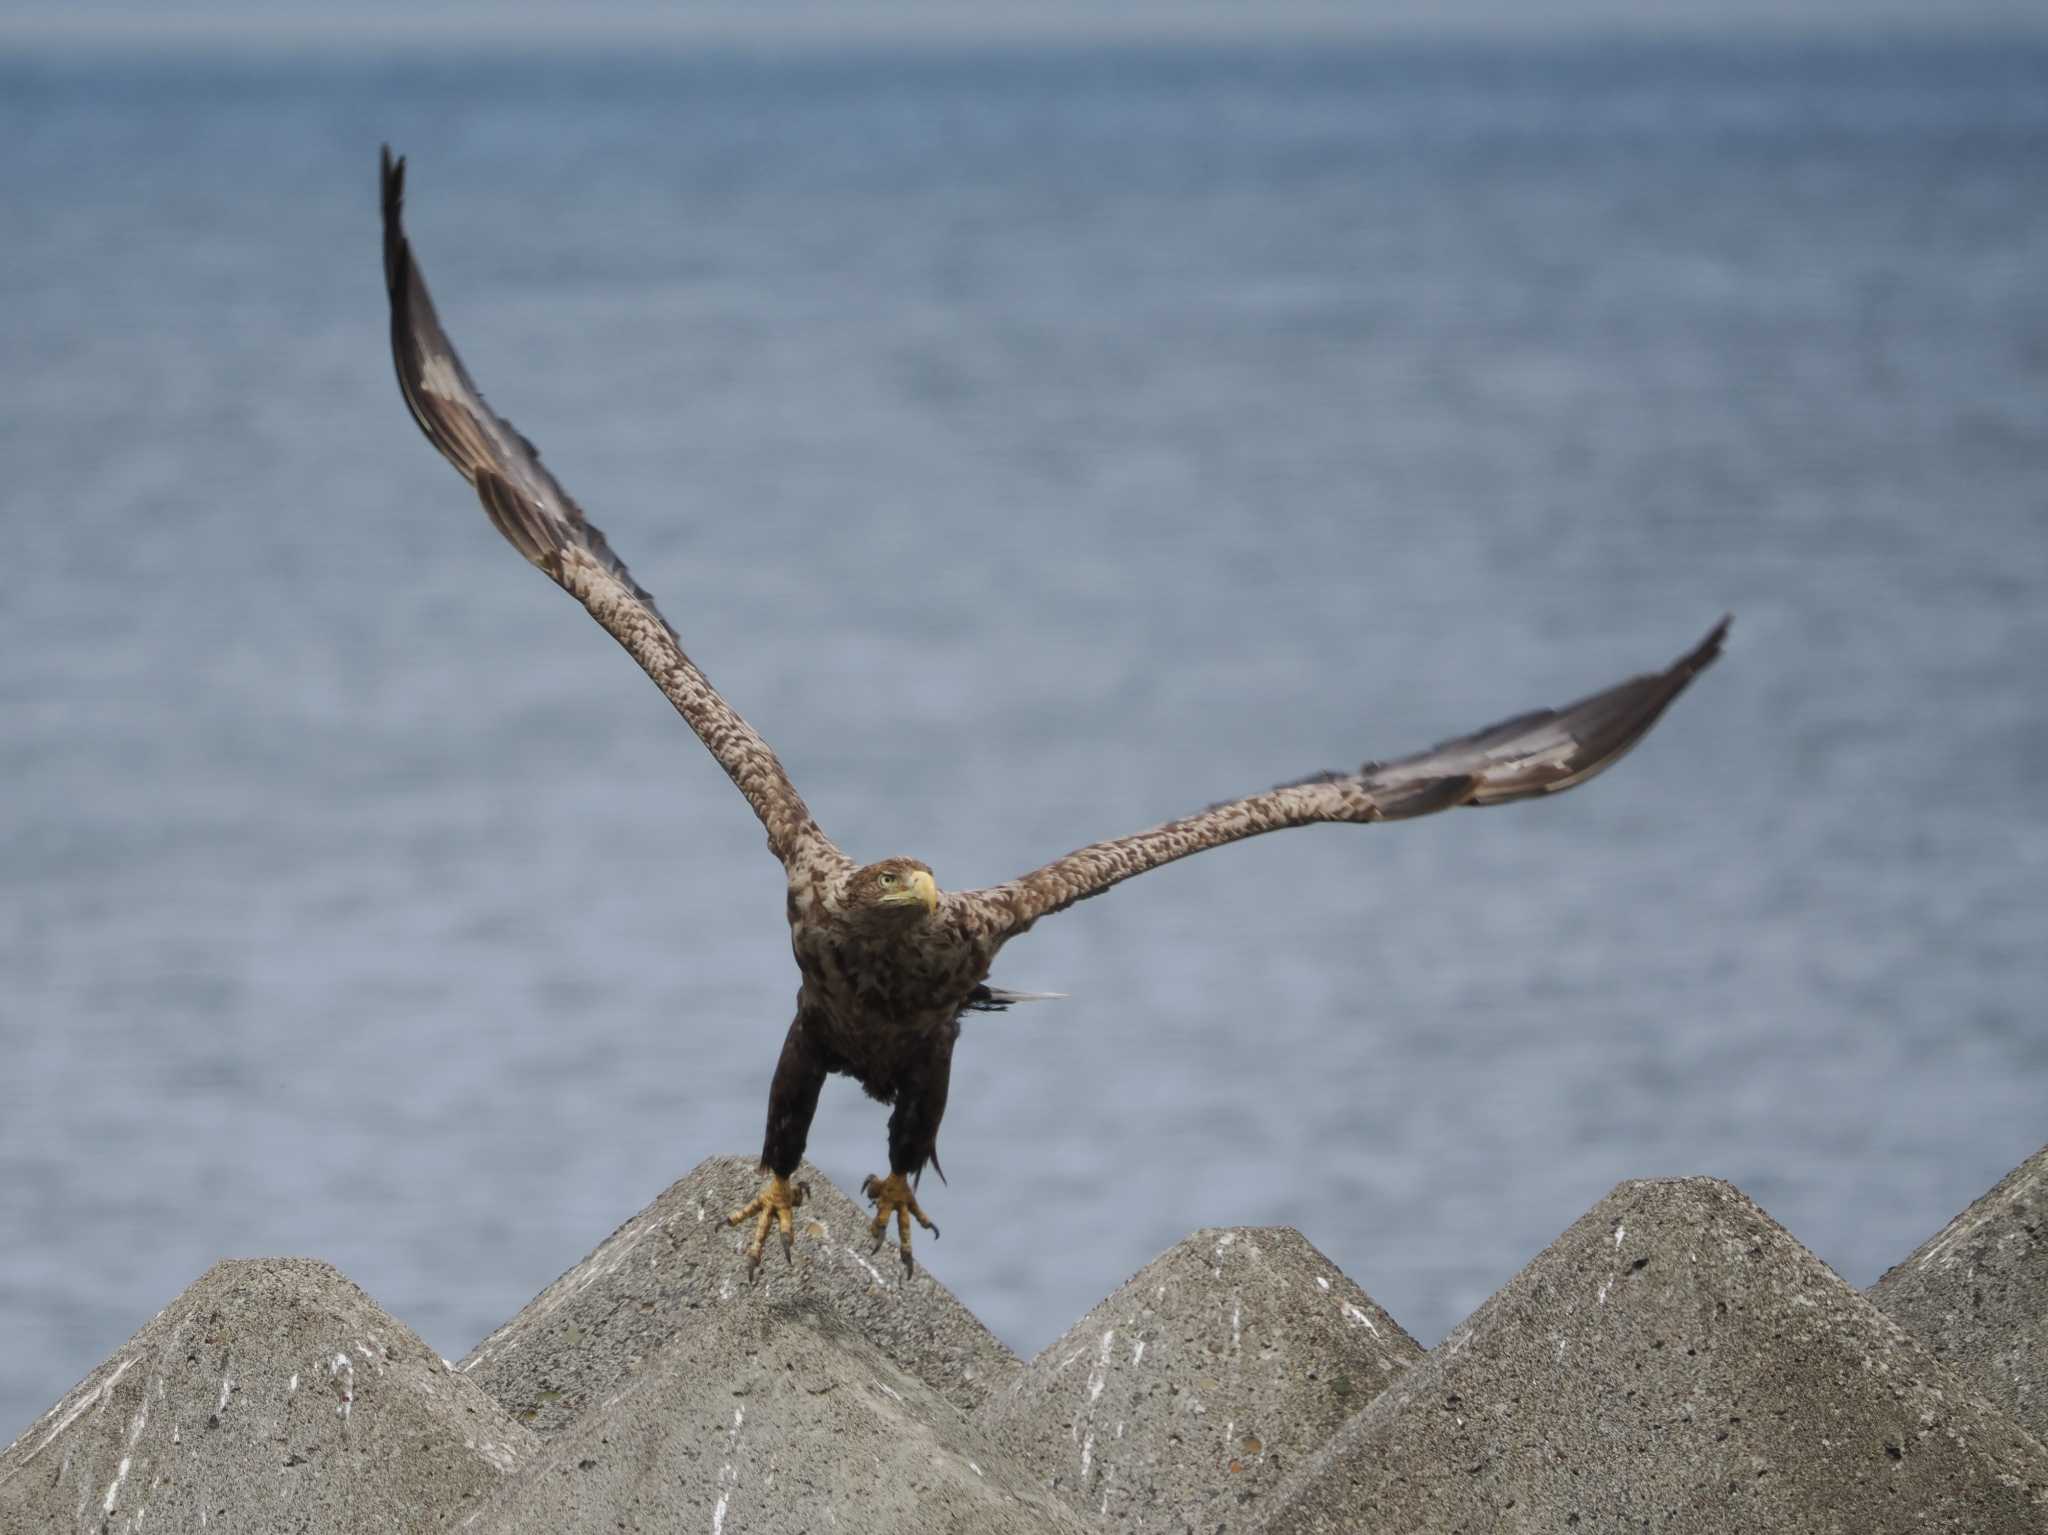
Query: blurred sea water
1034	445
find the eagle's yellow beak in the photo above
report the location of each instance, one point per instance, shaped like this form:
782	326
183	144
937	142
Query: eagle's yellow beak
917	888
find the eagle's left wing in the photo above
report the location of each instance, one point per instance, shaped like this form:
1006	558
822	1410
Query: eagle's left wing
1542	752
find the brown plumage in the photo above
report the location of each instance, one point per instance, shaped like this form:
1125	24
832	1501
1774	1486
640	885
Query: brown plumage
889	961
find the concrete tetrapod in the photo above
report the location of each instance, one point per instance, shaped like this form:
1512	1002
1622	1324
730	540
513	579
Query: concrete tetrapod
1976	1293
271	1395
774	1418
1675	1361
661	1273
1186	1395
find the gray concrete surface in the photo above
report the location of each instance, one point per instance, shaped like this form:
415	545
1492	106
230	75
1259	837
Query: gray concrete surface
1676	1362
1976	1293
675	1262
773	1417
1193	1389
272	1395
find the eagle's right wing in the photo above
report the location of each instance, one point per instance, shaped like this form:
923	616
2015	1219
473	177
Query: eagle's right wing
540	520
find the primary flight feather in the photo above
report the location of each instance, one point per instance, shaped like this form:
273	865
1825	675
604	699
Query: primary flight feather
889	961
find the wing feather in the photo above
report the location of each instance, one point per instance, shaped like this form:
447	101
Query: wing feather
1544	751
539	518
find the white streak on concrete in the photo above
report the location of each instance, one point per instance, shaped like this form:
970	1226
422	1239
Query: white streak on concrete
1236	1322
1620	1231
227	1385
98	1396
873	1272
114	1487
343	1374
728	1475
503	1456
1353	1314
617	1251
294	1381
1137	1351
1942	1249
1322	1283
1603	1291
106	1393
1087	1454
1100	1374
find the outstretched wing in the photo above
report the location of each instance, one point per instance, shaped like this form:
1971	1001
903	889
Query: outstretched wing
1542	752
540	520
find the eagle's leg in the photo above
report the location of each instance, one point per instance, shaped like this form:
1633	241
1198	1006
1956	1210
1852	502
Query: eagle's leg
792	1100
913	1141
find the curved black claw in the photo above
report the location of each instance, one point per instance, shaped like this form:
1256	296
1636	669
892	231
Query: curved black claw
893	1195
772	1207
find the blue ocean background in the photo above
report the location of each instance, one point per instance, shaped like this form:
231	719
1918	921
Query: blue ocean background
1034	444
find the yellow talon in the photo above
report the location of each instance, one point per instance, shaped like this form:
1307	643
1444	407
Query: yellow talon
892	1195
772	1207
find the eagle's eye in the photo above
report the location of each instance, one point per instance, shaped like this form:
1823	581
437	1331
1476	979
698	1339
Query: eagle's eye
885	878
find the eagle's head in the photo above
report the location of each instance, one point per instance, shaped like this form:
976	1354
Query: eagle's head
895	892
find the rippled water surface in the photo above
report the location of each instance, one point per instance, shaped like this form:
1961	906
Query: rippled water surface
1034	447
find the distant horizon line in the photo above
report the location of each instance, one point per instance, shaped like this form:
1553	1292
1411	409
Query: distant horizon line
917	26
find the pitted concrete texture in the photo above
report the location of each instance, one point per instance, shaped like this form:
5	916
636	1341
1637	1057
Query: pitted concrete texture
272	1395
774	1418
1190	1392
677	1260
1976	1293
1675	1362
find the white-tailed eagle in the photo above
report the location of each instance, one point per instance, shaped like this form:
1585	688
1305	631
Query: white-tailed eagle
890	961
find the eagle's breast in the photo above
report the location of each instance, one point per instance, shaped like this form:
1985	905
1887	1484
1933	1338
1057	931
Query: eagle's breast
883	996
